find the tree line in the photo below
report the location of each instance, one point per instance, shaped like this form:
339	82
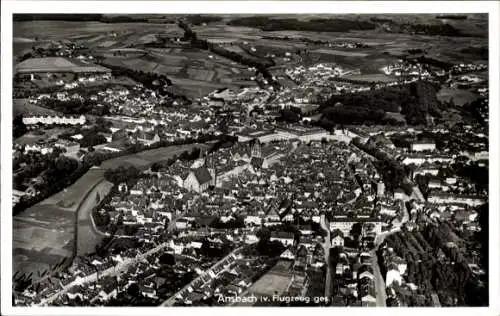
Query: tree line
314	25
72	17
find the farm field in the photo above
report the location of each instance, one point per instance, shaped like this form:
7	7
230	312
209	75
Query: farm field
340	52
460	97
372	77
145	159
43	236
56	64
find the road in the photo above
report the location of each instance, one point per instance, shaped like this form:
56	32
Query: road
380	288
326	247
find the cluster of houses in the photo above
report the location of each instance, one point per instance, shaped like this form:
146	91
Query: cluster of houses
354	280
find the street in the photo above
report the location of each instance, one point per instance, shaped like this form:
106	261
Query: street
380	288
326	247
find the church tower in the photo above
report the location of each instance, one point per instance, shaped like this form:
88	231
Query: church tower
210	165
257	149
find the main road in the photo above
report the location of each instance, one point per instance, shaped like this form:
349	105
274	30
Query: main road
326	247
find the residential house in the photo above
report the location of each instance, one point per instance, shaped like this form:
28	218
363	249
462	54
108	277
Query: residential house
286	238
337	238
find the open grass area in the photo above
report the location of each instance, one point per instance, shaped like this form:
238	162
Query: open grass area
43	235
71	197
23	107
340	52
460	97
372	77
145	159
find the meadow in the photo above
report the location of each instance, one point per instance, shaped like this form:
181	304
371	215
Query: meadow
459	96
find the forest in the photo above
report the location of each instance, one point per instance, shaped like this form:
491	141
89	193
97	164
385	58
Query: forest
413	100
436	267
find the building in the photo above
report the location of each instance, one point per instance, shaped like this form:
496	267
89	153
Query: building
448	198
345	224
380	189
337	238
423	146
286	238
399	194
393	275
148	138
54	120
199	179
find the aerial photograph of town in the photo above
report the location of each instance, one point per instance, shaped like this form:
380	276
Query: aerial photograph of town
252	160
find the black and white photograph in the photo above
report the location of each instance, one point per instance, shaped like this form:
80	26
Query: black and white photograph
180	158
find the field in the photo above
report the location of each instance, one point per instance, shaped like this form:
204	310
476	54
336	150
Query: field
23	107
191	70
460	97
339	52
87	236
56	64
145	159
71	197
42	237
372	77
273	282
44	234
32	137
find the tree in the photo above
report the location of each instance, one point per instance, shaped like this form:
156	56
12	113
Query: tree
122	174
356	230
155	167
92	139
264	234
18	126
134	290
167	259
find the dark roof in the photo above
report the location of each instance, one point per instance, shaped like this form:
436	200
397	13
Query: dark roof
257	162
337	232
202	175
268	151
282	235
204	220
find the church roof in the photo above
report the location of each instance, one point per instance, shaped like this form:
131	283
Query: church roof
202	175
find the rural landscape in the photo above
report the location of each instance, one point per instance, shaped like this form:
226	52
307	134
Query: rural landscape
250	160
